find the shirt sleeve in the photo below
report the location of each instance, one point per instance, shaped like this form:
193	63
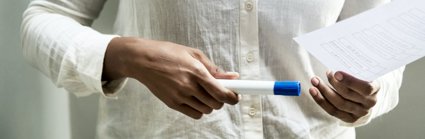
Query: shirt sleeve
57	40
388	95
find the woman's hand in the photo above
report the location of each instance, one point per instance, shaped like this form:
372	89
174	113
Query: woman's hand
347	99
181	77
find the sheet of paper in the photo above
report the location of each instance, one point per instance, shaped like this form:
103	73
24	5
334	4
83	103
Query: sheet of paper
372	43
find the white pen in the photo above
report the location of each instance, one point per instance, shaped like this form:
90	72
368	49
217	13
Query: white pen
253	87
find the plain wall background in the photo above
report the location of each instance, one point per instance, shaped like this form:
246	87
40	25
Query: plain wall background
32	108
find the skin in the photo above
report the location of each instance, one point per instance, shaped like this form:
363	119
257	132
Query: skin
346	98
181	77
184	79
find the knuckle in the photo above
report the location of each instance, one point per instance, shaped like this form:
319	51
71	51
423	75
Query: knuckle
232	98
197	51
208	110
198	68
183	93
193	114
351	120
198	54
365	112
361	113
373	103
218	106
172	105
343	105
370	103
182	84
197	116
354	119
186	87
333	112
221	96
233	102
368	89
321	102
187	82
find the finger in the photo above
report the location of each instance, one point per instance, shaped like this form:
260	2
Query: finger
198	105
206	98
226	75
345	92
218	91
199	55
361	86
212	86
329	108
336	100
370	101
189	111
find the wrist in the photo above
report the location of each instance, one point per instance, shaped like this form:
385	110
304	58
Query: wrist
115	60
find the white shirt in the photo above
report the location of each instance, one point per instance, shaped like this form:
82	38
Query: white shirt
252	37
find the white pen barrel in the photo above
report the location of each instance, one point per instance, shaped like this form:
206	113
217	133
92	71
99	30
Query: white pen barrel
252	87
249	86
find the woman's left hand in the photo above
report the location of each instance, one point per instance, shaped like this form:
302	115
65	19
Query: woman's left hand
348	98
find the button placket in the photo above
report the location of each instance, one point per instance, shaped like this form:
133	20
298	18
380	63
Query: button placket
250	68
249	6
252	111
250	57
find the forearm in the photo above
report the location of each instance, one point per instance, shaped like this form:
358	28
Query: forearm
63	49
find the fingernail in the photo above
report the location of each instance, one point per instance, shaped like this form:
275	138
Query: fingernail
339	76
315	81
313	92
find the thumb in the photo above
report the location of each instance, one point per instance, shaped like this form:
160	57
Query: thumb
201	57
226	75
212	68
218	73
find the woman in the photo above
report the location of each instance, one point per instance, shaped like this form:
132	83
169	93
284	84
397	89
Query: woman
157	72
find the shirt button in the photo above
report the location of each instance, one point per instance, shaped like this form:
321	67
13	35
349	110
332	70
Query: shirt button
250	57
252	112
249	6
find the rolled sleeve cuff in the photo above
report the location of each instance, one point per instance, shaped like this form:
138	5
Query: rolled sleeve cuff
387	98
361	121
91	67
112	88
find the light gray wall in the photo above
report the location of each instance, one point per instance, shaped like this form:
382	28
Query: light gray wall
31	108
407	120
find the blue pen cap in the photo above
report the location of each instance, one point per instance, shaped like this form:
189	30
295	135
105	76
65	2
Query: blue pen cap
287	88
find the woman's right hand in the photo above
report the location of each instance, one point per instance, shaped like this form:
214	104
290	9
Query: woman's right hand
181	77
